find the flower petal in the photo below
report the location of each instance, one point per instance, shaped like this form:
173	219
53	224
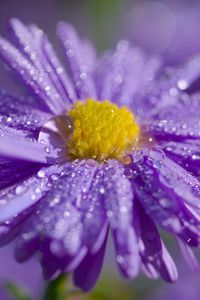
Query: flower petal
20	113
75	54
52	66
151	246
118	204
186	153
87	273
127	255
13	171
15	199
12	146
166	191
189	256
36	47
40	85
53	265
167	267
177	121
64	228
131	71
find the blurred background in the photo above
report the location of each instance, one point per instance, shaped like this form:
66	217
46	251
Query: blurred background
168	28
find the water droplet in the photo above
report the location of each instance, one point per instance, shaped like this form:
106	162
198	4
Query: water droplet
102	190
58	128
195	157
54	177
41	174
126	160
20	189
120	259
9	119
129	173
164	202
47	150
182	84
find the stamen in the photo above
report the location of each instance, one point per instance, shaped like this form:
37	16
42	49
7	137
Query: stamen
101	130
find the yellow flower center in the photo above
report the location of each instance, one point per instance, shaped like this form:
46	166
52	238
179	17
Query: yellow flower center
101	130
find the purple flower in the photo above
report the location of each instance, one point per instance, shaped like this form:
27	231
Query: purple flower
70	170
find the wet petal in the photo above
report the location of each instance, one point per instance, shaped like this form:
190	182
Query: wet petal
40	85
36	47
52	66
64	228
87	273
16	147
21	113
186	153
151	246
166	191
13	171
15	199
53	265
118	204
127	255
75	54
177	121
131	70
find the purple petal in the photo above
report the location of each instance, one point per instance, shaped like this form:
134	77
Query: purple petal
21	112
189	256
15	199
75	54
87	273
126	247
13	146
185	77
131	71
166	191
94	217
148	233
36	47
53	265
177	122
40	85
118	204
64	228
25	250
149	270
60	78
13	171
52	66
118	196
186	153
167	267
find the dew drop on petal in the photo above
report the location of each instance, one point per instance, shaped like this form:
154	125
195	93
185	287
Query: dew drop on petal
41	174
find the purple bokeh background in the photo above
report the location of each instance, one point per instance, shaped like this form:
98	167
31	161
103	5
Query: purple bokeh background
27	275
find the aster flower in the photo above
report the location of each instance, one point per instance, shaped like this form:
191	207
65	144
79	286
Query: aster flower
111	144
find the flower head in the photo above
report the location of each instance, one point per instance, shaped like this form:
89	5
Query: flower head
113	144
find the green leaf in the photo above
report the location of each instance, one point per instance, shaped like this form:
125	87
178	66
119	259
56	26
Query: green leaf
16	292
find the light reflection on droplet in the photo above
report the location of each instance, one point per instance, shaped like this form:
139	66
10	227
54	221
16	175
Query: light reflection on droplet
56	132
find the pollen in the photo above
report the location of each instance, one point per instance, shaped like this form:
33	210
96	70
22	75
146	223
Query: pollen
101	130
